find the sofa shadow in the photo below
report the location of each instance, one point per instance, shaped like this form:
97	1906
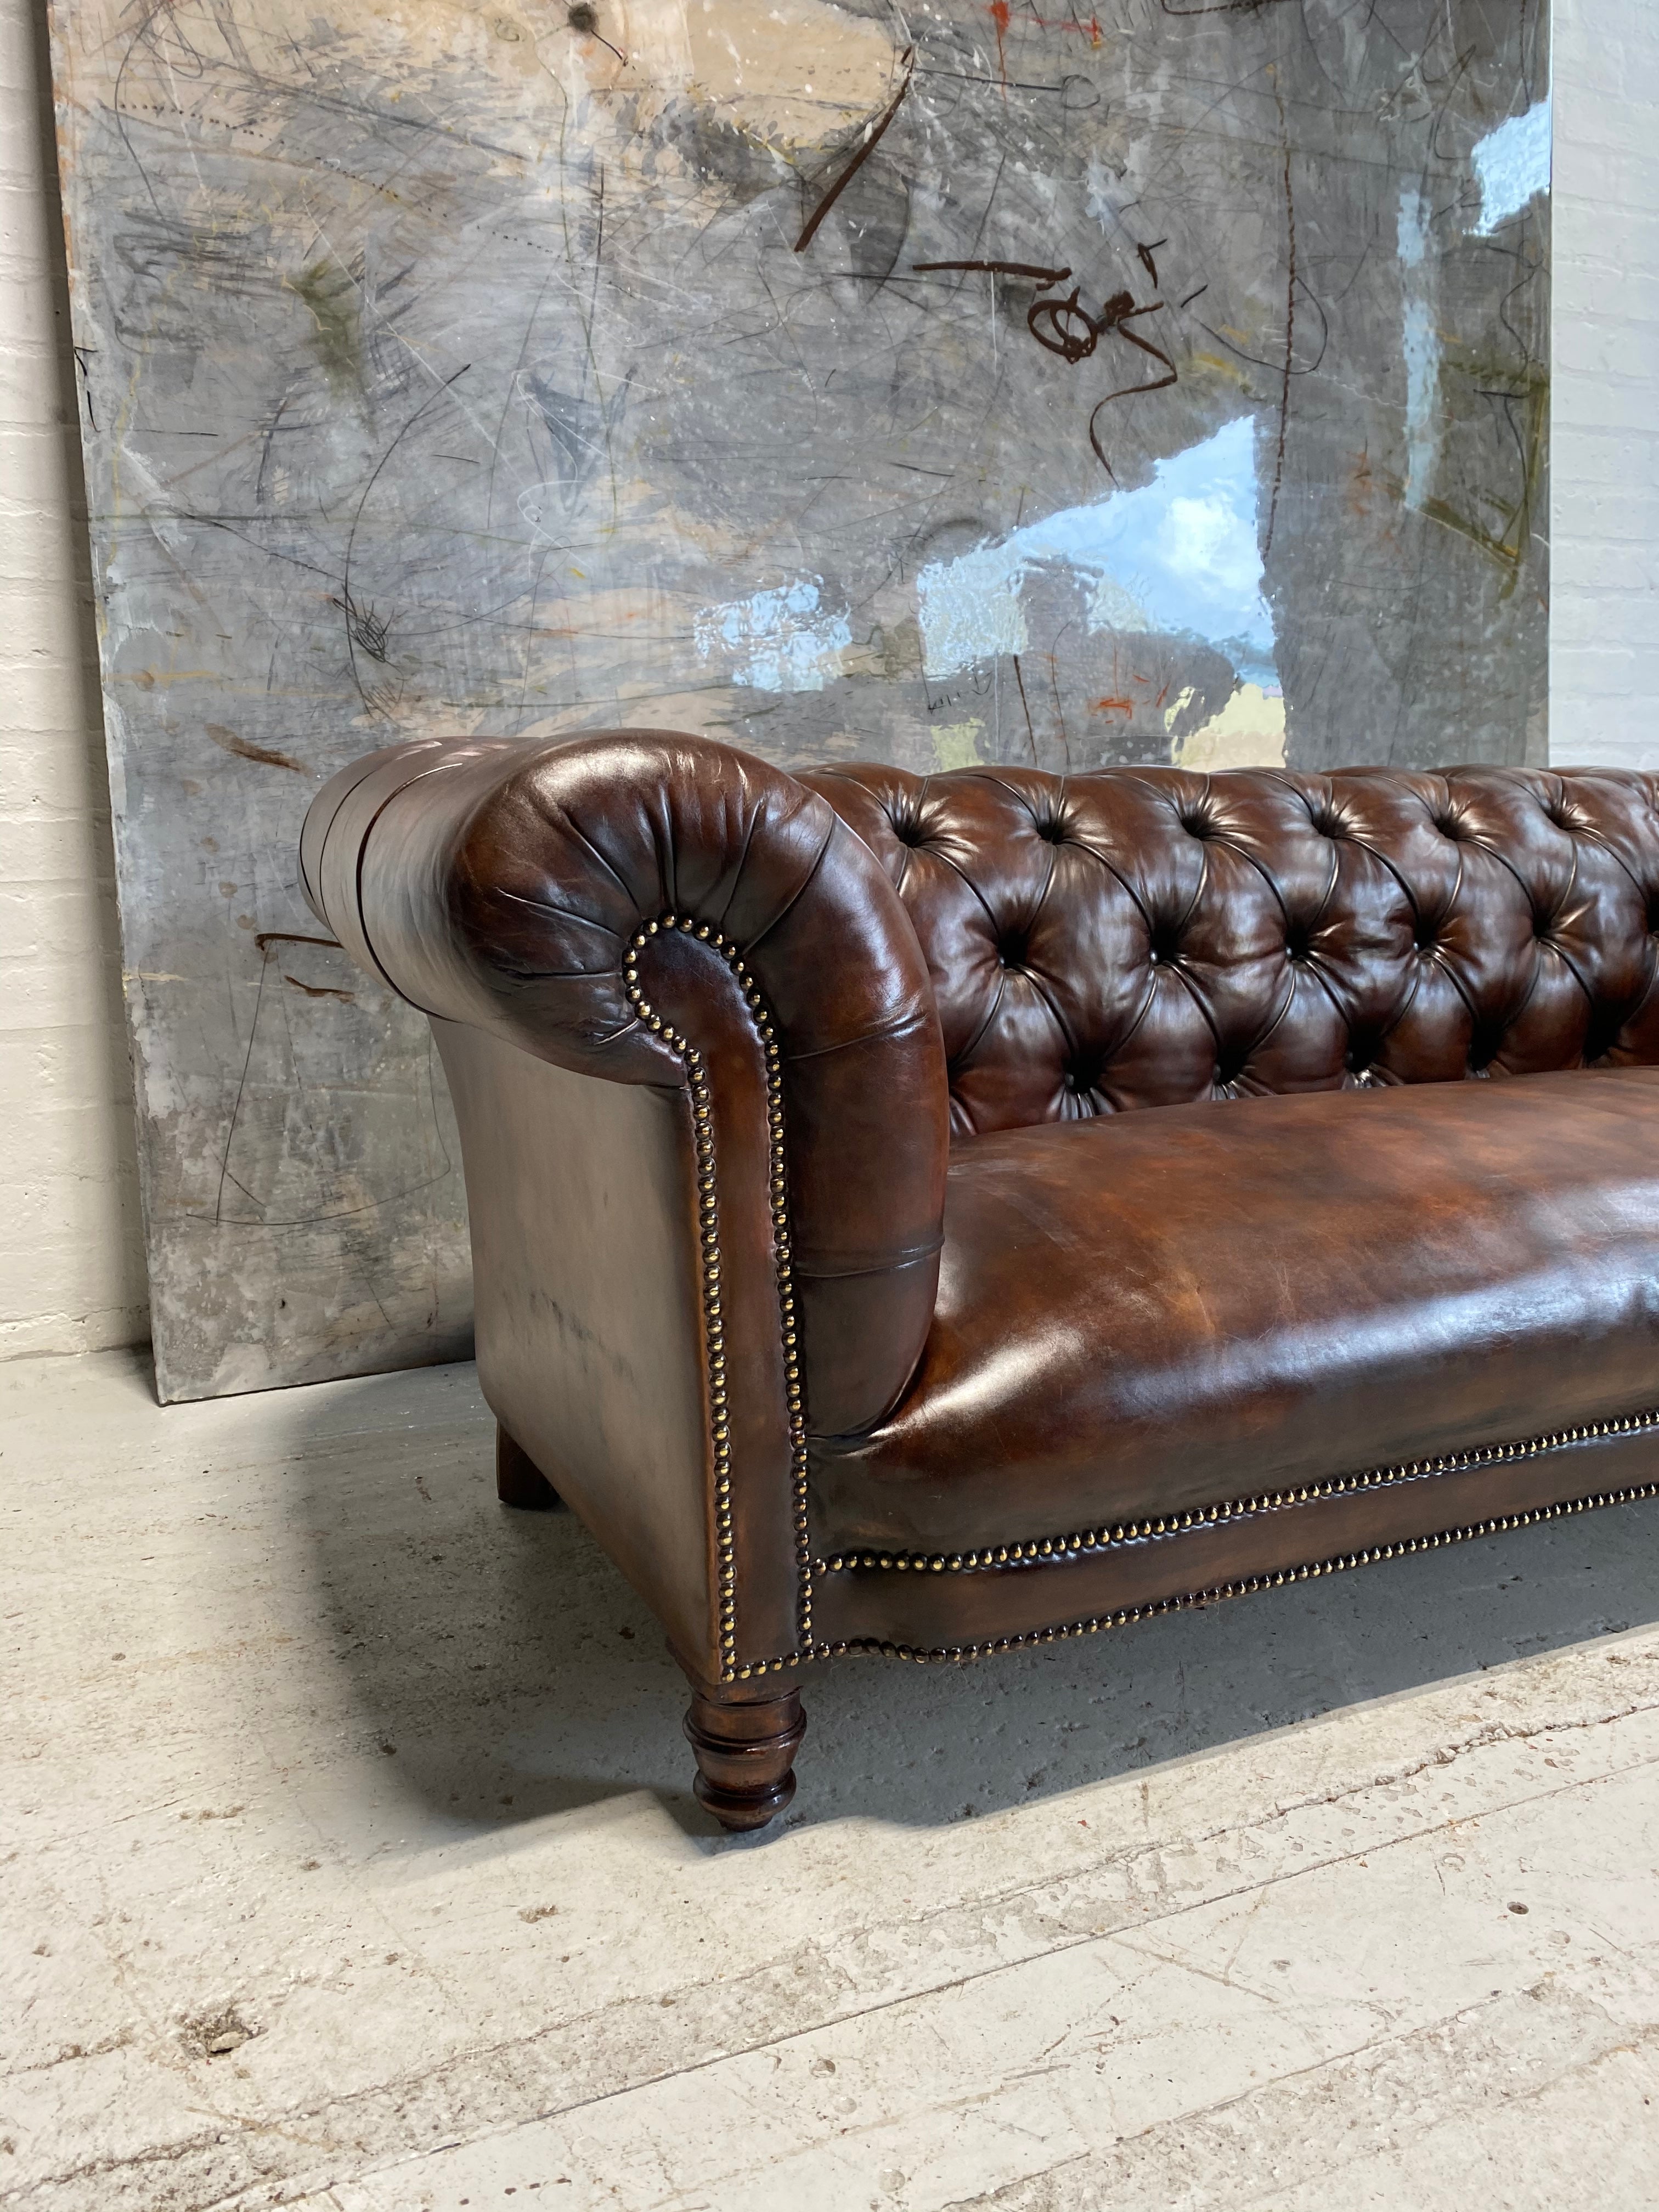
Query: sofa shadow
503	1663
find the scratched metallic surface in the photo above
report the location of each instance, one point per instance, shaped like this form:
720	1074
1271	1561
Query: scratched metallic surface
977	384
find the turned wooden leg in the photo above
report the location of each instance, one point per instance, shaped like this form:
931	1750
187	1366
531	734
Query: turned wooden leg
519	1480
745	1754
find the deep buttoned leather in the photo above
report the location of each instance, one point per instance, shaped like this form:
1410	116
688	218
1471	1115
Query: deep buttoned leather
1148	937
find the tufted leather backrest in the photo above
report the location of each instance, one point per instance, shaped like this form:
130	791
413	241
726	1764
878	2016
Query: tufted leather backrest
1147	937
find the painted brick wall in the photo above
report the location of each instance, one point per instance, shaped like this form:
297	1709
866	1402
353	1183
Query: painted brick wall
71	1267
1604	622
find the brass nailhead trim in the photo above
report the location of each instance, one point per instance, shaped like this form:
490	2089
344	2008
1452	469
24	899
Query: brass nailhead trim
1172	1524
708	1231
959	1652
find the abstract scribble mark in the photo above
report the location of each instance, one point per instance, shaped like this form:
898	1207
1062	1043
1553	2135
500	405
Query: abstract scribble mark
1144	255
1065	327
1290	333
319	990
997	269
1119	311
241	1086
1523	396
83	355
579	428
286	937
1219	7
1030	734
332	297
372	631
381	701
1090	30
873	138
1262	360
228	741
998	12
584	20
1018	84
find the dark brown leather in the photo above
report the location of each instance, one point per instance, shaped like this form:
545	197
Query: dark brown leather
1243	1297
498	884
1151	1311
1149	936
595	1369
949	1612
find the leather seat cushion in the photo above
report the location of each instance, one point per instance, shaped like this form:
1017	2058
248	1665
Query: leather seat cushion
1159	1310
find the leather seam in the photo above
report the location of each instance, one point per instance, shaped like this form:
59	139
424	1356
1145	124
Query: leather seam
361	862
1368	1555
1093	1542
913	1256
801	889
731	1670
886	1034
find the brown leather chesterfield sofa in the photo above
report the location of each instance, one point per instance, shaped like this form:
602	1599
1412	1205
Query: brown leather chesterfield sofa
824	1267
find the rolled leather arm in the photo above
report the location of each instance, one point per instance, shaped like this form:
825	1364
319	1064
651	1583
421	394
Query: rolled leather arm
499	883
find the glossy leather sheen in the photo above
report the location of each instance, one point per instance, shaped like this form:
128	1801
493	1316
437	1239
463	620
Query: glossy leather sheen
1147	937
1152	1311
1398	1198
499	884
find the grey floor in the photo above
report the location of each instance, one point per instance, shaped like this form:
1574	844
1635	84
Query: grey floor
350	1862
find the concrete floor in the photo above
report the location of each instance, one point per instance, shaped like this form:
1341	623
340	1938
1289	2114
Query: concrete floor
350	1861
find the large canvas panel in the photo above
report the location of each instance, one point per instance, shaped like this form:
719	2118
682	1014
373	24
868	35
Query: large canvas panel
983	382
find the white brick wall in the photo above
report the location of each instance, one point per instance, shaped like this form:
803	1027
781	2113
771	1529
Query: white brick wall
71	1263
1604	461
71	1267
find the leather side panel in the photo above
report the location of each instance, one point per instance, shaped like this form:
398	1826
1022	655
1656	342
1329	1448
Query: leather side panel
588	1306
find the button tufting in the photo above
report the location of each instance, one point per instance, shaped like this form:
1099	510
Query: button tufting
1426	948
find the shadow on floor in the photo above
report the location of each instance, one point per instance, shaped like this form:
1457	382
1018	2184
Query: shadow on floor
503	1663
